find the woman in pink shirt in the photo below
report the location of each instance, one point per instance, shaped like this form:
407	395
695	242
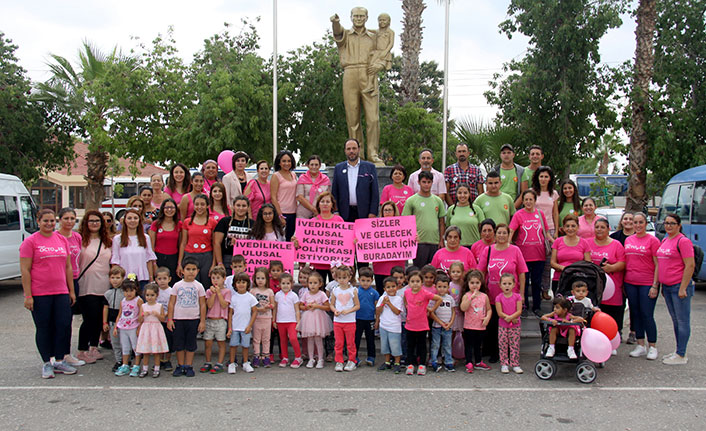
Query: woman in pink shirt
209	169
568	249
309	186
487	238
397	192
610	255
67	221
283	186
586	221
675	257
186	206
500	258
48	285
453	252
528	227
179	182
258	189
641	285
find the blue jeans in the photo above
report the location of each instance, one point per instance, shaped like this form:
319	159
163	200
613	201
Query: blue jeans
680	311
642	312
444	336
390	343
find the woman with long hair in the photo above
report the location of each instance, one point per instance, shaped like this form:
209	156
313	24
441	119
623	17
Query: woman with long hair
268	225
179	182
229	229
397	192
258	189
568	202
186	206
465	216
132	249
218	203
94	264
165	234
197	239
283	187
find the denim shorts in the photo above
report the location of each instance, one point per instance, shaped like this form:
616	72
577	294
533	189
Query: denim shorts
240	338
390	343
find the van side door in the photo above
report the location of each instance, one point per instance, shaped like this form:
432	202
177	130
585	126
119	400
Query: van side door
10	237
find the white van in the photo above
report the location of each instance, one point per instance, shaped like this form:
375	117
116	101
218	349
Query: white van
18	220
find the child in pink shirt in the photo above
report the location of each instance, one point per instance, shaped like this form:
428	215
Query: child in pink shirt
475	306
217	301
509	307
416	301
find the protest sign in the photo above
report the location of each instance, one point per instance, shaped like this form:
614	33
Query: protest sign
385	239
324	241
260	253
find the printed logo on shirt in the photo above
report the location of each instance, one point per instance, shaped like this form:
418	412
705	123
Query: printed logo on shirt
187	297
515	179
505	206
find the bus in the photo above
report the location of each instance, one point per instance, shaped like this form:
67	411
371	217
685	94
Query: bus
618	183
685	195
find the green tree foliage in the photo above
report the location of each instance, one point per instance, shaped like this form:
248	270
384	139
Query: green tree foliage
557	95
34	136
485	140
676	128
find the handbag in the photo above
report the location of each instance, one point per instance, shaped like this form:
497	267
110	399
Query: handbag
76	308
547	244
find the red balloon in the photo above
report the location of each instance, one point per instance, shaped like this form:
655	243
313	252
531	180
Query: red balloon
604	323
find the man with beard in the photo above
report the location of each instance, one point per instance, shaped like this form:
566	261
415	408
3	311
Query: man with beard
426	160
355	185
462	172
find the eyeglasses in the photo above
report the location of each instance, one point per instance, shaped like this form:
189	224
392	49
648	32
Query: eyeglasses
670	223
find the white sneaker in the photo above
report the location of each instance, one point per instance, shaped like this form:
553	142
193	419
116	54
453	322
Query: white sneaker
669	355
311	363
74	362
231	367
550	351
517	370
350	366
320	363
676	360
652	353
247	367
421	370
614	353
504	369
570	352
338	367
638	351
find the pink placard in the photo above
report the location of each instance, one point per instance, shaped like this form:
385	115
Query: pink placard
385	239
260	253
323	241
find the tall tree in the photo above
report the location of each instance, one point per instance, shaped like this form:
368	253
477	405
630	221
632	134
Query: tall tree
557	95
644	62
411	45
34	137
75	92
676	129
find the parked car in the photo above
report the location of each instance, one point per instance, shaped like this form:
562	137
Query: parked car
18	219
613	216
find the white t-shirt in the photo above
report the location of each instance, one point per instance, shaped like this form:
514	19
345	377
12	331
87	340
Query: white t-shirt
242	310
444	310
285	307
330	286
587	303
344	301
390	321
163	298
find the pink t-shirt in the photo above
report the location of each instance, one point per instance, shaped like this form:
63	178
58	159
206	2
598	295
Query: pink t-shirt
336	218
639	263
384	268
187	306
417	309
473	317
398	196
586	229
286	193
508	260
671	261
614	252
174	195
530	235
166	241
479	248
444	258
218	312
509	306
75	250
259	195
48	256
545	203
566	254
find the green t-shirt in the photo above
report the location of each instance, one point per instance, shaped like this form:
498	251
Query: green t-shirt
499	208
508	182
527	176
427	211
467	219
566	210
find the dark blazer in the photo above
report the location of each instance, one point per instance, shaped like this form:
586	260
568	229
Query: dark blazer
368	195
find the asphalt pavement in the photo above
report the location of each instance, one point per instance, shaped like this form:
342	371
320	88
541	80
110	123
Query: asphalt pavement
628	394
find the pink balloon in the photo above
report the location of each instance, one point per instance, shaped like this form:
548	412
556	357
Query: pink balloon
457	349
225	160
595	345
615	342
609	290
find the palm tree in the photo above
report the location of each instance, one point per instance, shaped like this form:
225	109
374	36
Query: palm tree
485	140
644	62
74	92
411	45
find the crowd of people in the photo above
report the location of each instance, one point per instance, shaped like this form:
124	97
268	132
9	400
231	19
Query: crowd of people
486	246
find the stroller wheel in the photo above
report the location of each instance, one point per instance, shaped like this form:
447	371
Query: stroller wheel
545	369
586	372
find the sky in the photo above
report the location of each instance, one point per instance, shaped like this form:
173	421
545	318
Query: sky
476	48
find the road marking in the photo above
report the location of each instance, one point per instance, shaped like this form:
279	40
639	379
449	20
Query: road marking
344	390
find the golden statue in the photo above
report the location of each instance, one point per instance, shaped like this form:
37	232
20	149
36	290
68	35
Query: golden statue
363	54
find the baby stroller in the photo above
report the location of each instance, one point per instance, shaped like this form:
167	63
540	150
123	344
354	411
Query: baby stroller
594	276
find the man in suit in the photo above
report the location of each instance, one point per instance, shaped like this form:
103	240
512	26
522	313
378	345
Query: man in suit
355	185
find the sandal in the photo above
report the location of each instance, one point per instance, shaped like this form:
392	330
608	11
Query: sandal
205	368
143	373
217	369
155	373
